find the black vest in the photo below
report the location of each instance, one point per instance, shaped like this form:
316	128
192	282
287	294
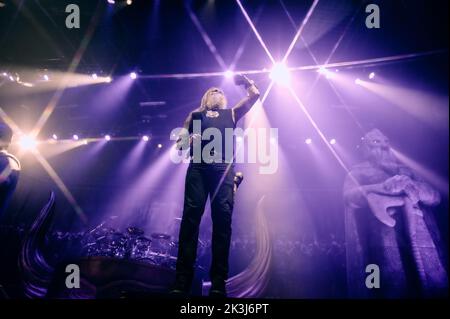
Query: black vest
208	125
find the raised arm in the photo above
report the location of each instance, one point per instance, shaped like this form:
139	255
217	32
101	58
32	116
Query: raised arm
246	103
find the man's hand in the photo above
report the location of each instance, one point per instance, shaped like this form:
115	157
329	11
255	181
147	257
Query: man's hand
241	79
193	138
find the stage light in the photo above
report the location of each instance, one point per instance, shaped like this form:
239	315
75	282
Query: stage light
75	137
228	74
327	73
85	142
108	137
333	141
27	142
45	77
111	1
308	141
94	75
108	79
133	75
160	146
11	78
5	74
358	81
145	138
322	70
280	74
129	2
54	136
371	75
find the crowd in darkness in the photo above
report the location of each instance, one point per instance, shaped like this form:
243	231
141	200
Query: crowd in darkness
300	268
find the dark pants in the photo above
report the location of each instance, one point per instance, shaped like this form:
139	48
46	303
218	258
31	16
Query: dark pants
215	180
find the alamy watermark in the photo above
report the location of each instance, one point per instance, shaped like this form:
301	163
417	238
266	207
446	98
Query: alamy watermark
373	279
73	277
261	146
373	19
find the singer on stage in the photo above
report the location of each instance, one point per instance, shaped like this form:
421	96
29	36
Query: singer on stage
214	179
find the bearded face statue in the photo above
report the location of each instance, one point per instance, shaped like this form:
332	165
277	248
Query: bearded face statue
214	99
376	149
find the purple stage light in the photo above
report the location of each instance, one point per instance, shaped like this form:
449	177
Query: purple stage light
322	70
133	75
54	136
160	146
145	138
228	74
108	137
371	75
358	81
75	137
308	141
94	76
111	1
108	79
280	74
46	78
333	141
327	73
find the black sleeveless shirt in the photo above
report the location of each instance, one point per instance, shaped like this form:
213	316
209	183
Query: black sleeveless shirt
216	128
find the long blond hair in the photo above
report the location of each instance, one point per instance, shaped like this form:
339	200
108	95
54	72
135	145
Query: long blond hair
205	99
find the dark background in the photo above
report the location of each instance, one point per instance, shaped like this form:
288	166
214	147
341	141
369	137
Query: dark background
159	37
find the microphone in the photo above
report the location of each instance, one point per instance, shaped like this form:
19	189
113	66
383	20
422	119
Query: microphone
240	79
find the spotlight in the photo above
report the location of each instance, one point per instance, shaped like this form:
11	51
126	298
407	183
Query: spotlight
228	74
160	146
94	76
111	1
27	142
322	70
129	2
11	78
333	141
5	74
145	138
371	75
327	73
108	137
108	79
45	77
85	142
133	75
308	141
54	136
280	74
358	81
75	137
